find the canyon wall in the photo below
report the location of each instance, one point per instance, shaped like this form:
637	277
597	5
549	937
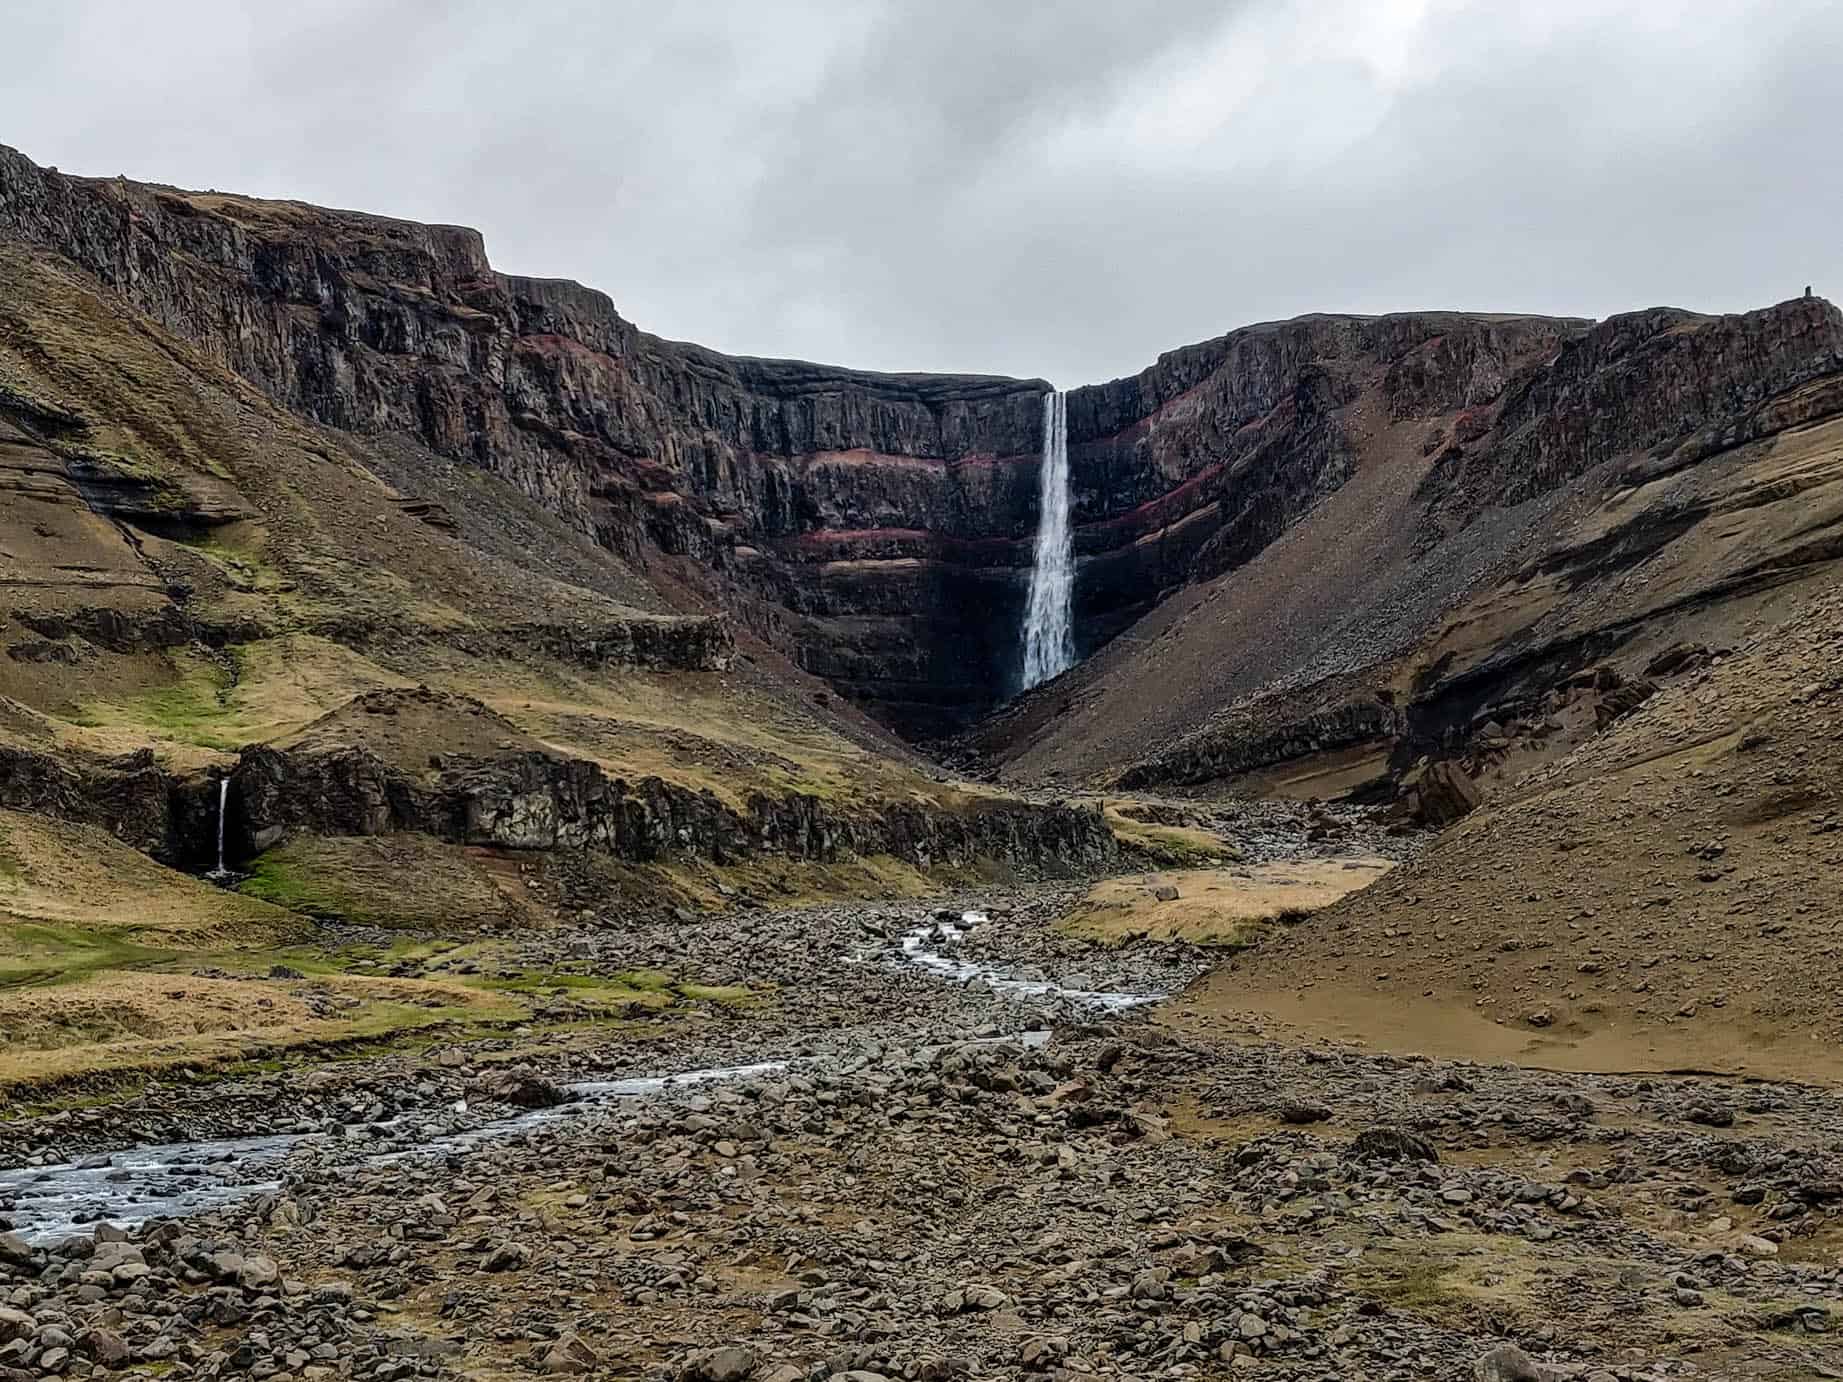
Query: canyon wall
877	527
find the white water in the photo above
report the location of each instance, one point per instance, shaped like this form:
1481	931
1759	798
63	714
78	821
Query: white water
223	801
1049	640
915	949
127	1188
181	1178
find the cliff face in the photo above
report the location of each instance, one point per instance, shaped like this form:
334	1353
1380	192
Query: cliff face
852	518
1521	536
1193	466
877	528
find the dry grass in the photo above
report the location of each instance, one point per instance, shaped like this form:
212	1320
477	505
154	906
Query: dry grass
120	1021
56	875
1173	846
1221	906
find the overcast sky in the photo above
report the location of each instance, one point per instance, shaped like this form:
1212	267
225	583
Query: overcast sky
1058	189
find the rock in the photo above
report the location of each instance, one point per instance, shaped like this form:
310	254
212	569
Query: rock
1443	794
1391	1144
519	1085
1043	1352
106	1349
1301	1113
570	1355
258	1274
730	1364
975	1296
506	1257
1507	1363
14	1250
1165	893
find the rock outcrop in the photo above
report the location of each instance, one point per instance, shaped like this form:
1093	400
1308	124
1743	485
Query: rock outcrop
529	801
535	801
877	528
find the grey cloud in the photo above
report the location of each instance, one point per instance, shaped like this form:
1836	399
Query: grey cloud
1026	187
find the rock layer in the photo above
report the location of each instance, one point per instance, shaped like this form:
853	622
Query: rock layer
529	801
877	527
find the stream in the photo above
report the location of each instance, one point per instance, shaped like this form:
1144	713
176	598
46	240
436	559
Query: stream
175	1180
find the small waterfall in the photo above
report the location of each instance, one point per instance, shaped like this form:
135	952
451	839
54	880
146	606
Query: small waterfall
223	804
1049	638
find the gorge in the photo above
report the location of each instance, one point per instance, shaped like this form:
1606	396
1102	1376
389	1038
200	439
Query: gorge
532	849
892	534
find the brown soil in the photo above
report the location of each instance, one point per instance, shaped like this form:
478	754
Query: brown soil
1669	895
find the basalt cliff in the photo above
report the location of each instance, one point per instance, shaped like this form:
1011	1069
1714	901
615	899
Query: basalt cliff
876	528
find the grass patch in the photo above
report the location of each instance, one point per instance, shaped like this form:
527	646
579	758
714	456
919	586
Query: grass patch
400	880
1466	1279
1220	906
1167	846
194	708
47	954
278	879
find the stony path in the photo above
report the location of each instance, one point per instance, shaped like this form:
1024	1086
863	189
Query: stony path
950	1181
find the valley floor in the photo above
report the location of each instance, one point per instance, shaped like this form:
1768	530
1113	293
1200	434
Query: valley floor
957	1147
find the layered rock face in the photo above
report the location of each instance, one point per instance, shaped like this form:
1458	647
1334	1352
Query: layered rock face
874	526
1193	466
527	801
541	801
1655	480
877	528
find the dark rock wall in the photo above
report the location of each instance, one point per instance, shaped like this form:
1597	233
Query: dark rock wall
1633	383
536	801
877	527
526	801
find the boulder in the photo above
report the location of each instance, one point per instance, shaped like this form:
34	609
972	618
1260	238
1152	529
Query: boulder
1507	1363
1391	1144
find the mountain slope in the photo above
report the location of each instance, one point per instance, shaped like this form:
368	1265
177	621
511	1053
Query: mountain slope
1650	484
1665	895
194	577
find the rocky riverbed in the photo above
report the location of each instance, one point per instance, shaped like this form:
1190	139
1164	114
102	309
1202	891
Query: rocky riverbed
944	1140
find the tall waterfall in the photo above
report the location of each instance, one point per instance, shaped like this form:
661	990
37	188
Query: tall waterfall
223	801
1049	638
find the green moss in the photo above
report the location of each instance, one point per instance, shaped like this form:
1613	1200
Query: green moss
275	877
42	953
651	979
193	709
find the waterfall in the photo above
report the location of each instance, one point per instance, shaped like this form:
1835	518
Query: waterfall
1049	640
223	802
